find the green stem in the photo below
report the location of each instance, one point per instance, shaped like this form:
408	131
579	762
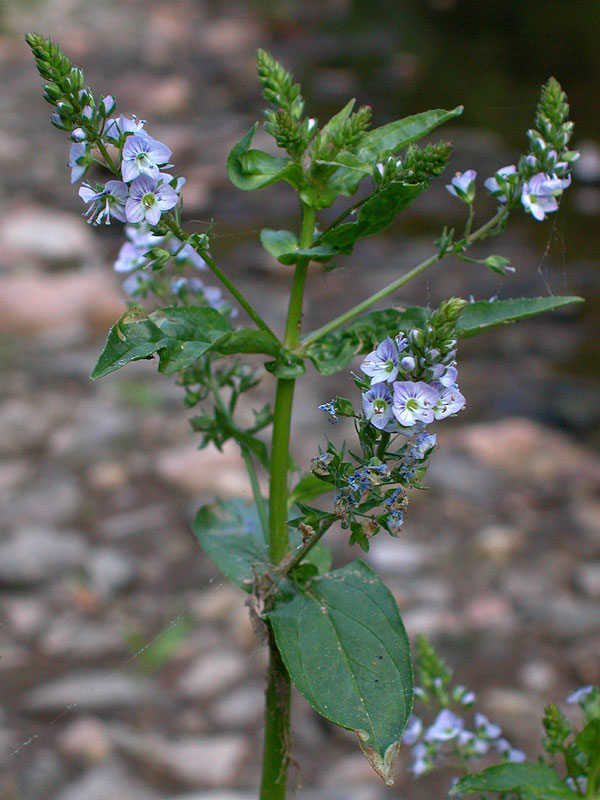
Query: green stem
254	315
256	492
391	287
305	550
277	726
277	713
106	156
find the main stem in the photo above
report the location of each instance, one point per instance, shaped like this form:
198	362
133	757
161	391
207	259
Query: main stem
277	715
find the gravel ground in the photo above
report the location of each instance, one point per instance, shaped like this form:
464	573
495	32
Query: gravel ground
129	669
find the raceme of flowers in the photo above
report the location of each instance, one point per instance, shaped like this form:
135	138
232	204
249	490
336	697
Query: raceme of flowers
410	384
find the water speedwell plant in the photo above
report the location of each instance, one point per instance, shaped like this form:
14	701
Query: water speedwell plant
336	634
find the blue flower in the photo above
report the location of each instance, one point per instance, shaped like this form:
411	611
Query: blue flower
329	408
377	405
143	155
79	160
382	363
129	258
540	193
414	402
108	202
499	183
450	401
446	726
580	694
462	186
116	128
394	521
148	198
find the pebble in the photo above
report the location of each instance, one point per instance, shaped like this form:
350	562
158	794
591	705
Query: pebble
212	673
70	635
90	691
242	708
399	555
22	428
38	554
25	615
588	579
110	571
43	234
499	543
563	615
85	740
50	499
151	517
539	676
204	471
111	776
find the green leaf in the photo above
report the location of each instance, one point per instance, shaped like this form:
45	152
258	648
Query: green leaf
128	341
308	488
588	741
374	216
286	249
231	536
395	135
345	647
336	350
248	340
254	169
188	333
484	314
529	781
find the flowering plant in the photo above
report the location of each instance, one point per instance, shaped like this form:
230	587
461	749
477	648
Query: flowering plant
336	634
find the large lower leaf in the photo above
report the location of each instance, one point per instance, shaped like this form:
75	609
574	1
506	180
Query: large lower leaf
189	332
345	647
128	341
484	314
231	536
253	169
528	781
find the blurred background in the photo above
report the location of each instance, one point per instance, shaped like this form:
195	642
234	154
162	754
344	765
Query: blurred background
129	670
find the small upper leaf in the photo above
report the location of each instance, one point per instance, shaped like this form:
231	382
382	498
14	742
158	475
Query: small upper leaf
253	169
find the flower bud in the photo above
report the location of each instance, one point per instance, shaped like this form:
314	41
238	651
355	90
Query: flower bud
51	93
78	135
107	105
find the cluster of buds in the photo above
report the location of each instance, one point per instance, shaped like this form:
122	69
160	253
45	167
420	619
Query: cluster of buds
421	370
543	173
417	165
140	192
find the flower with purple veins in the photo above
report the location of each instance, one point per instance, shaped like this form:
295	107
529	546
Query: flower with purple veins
539	195
493	185
143	155
423	445
449	377
110	202
414	402
377	405
462	186
382	363
78	160
450	401
117	127
148	198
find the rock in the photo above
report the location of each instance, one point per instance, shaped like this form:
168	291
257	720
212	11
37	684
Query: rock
85	740
37	554
25	615
154	516
22	427
105	476
562	615
353	769
587	514
69	635
12	474
40	302
499	543
539	676
490	612
243	707
110	571
588	579
456	474
41	774
110	780
587	168
51	499
212	673
199	761
205	471
42	234
399	555
525	450
90	691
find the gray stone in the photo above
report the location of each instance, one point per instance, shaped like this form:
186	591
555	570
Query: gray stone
242	707
69	635
563	615
47	235
37	554
110	780
110	571
399	555
588	578
22	427
90	691
141	520
51	500
212	673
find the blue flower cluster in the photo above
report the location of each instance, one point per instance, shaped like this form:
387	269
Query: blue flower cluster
422	378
